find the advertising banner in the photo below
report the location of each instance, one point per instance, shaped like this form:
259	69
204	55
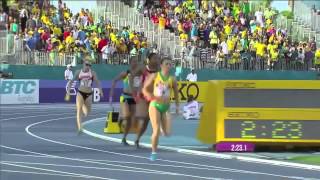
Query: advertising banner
54	91
197	89
19	91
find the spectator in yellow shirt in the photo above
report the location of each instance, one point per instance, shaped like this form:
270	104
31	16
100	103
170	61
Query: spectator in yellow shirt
273	55
214	40
317	60
178	10
228	29
183	37
70	39
230	43
122	47
162	22
261	54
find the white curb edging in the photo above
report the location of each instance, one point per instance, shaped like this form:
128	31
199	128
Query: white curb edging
205	154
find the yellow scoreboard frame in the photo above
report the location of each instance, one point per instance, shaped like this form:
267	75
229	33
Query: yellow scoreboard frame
212	125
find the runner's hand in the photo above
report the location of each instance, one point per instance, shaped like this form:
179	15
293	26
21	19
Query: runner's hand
136	97
110	100
177	110
67	97
101	93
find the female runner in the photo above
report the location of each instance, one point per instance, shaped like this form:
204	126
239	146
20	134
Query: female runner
127	102
142	105
86	76
157	89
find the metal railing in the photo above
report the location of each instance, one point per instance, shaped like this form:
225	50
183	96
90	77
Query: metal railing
7	44
246	61
45	58
63	59
297	32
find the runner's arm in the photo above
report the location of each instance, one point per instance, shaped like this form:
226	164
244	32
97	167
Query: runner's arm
75	77
147	87
95	78
175	91
114	82
135	90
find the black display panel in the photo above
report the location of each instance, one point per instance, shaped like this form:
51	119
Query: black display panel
272	129
272	98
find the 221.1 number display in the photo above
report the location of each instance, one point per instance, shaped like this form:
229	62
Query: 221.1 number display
272	129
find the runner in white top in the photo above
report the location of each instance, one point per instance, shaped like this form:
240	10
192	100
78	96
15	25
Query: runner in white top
86	76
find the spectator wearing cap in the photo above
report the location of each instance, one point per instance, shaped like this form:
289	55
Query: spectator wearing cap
192	77
68	74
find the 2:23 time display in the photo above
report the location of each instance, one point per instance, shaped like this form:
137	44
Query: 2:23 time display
274	130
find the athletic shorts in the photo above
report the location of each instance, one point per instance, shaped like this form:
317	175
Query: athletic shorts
85	95
162	108
127	99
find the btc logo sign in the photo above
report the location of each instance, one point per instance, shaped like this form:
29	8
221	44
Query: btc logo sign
19	91
18	87
197	89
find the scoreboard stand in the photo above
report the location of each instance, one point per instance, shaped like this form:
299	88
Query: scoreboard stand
245	113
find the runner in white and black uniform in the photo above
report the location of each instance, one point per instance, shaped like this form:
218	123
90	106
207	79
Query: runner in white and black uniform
85	76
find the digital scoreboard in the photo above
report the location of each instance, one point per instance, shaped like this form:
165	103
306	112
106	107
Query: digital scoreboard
261	111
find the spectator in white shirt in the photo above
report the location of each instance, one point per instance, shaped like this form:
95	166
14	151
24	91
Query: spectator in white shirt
191	110
192	77
68	75
259	16
107	52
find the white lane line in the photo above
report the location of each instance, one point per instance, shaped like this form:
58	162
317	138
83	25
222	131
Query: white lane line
93	162
137	163
83	167
27	155
54	171
35	113
28	112
185	151
123	154
25	117
51	107
41	173
186	163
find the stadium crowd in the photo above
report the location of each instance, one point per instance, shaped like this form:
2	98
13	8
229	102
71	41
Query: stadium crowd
227	32
56	30
233	34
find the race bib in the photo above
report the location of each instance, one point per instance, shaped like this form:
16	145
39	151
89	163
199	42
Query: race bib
86	82
162	90
137	81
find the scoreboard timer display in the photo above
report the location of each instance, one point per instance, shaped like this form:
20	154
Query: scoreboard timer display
261	111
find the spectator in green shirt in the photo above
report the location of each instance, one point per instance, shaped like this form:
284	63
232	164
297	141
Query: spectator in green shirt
14	28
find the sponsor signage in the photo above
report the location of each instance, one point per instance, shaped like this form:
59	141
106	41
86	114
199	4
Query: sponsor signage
54	91
19	91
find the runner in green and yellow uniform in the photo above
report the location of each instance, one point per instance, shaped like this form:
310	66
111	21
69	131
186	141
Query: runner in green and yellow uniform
157	89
